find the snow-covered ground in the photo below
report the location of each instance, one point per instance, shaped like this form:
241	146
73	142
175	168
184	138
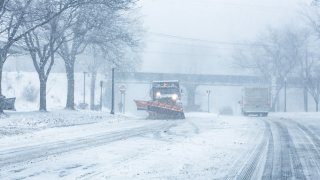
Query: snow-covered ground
49	146
25	87
95	145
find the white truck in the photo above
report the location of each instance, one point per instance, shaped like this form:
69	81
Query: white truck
255	101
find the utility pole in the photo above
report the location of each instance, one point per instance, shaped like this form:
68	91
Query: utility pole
208	93
84	87
285	94
112	93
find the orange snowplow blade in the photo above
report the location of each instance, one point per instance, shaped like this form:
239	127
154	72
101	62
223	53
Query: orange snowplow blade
159	110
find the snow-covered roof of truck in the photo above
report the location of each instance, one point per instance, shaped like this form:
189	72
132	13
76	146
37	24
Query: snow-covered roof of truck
165	81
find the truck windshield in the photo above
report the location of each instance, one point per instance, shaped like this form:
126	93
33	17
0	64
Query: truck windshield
167	90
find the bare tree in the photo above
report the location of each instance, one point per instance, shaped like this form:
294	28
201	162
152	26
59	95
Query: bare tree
314	84
118	55
43	42
113	45
300	42
309	64
305	67
89	19
11	17
13	13
70	49
274	56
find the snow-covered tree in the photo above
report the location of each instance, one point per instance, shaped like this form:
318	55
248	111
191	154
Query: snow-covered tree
92	19
313	82
13	13
274	55
43	42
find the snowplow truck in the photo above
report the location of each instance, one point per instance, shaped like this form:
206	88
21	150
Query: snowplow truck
165	103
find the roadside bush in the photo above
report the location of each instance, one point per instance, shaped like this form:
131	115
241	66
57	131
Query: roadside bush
30	93
226	111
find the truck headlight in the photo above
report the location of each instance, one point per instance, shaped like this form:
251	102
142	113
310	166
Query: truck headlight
174	97
158	94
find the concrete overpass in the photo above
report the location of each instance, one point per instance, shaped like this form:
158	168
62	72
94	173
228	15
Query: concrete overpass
190	82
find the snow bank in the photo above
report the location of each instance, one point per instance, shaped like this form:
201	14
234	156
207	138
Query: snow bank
25	87
24	122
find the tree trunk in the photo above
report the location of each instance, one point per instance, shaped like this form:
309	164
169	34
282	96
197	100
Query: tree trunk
273	106
3	56
1	70
305	98
278	104
70	78
43	93
317	106
92	90
275	103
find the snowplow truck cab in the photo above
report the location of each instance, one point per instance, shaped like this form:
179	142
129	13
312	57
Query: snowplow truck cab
166	101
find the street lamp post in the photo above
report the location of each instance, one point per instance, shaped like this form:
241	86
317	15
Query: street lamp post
112	93
101	88
84	87
122	89
285	94
208	93
124	102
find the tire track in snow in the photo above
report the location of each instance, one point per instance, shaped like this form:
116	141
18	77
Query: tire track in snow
31	153
251	165
311	144
194	126
307	152
315	139
269	164
289	159
282	158
138	155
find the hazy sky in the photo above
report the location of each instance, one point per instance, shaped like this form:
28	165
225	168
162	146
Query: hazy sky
217	21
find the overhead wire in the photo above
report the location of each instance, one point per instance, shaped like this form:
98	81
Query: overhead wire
255	6
178	53
204	40
191	41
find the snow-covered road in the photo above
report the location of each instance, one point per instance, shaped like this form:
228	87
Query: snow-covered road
204	146
289	149
27	153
